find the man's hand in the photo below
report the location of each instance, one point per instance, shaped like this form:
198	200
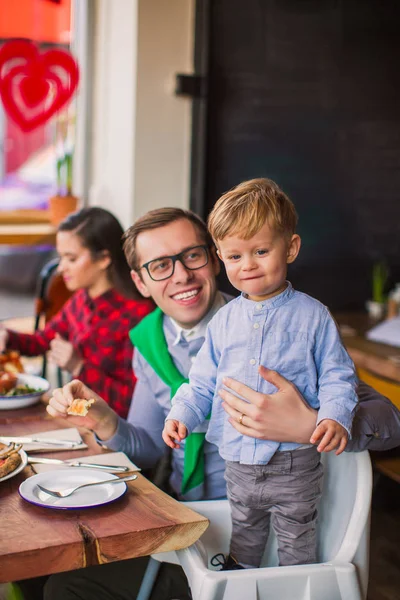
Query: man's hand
3	338
330	435
174	430
64	355
101	418
282	416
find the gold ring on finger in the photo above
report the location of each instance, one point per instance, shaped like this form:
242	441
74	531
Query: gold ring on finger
241	419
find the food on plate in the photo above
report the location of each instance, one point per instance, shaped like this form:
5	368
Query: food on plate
10	362
22	389
10	458
10	387
80	407
7	382
10	368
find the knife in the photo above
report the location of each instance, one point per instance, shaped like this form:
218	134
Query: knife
49	441
57	461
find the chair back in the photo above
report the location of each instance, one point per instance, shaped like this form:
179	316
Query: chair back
51	293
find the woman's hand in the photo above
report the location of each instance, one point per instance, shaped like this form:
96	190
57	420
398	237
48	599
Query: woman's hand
65	355
101	418
282	416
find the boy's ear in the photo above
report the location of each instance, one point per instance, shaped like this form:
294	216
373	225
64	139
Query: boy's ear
141	286
293	248
217	265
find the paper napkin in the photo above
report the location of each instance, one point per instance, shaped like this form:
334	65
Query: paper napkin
111	458
71	434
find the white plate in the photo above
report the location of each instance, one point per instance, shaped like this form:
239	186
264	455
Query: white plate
12	402
24	457
62	480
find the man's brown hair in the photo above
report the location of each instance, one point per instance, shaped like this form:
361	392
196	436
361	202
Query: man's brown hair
245	209
155	219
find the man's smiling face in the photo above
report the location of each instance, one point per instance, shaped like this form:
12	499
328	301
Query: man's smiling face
187	295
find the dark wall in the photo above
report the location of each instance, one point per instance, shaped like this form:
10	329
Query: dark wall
307	92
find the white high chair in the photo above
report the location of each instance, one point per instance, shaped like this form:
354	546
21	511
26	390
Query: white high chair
343	547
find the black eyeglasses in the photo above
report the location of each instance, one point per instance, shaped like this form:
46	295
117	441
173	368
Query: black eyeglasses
164	267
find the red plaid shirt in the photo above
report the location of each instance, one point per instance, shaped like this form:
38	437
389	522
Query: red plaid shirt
98	328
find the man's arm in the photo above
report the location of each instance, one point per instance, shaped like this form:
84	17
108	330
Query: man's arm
284	416
376	425
139	437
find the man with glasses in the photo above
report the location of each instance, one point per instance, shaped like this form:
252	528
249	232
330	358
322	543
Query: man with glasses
174	262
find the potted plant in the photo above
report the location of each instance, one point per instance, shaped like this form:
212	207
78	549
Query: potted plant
64	202
376	306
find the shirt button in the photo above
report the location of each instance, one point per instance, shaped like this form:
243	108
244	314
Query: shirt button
256	325
259	306
377	434
252	361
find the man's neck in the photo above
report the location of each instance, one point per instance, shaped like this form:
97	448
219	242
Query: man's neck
198	330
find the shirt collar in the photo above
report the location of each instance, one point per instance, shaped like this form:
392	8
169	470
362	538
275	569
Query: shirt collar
270	303
198	330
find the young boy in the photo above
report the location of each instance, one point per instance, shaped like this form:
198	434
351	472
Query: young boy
271	324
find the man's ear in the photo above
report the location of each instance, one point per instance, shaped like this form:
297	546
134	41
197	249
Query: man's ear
293	248
141	286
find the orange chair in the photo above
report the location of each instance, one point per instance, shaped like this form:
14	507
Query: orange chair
384	462
51	295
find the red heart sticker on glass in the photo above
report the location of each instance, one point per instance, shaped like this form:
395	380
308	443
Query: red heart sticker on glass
35	85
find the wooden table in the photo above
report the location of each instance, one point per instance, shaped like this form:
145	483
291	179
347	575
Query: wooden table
38	541
27	234
381	359
26	227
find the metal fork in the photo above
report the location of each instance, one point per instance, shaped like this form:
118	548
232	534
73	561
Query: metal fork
69	491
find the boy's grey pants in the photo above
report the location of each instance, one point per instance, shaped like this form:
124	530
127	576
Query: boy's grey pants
287	489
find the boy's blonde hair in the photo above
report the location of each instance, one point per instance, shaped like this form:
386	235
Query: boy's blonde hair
244	210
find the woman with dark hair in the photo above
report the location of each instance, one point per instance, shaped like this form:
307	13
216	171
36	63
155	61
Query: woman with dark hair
89	336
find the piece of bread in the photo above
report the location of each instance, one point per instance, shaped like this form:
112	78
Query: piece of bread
80	407
8	464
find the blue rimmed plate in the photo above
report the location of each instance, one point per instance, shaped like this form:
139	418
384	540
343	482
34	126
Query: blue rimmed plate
62	480
23	400
24	462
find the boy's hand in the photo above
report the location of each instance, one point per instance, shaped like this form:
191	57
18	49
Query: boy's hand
330	435
174	430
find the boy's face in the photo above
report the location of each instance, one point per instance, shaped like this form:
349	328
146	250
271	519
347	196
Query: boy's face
258	266
187	295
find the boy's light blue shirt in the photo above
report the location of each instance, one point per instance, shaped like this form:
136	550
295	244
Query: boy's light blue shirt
292	334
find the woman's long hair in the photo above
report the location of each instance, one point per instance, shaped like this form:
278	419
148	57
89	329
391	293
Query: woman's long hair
99	232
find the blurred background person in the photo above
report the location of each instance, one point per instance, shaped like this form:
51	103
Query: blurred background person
88	337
